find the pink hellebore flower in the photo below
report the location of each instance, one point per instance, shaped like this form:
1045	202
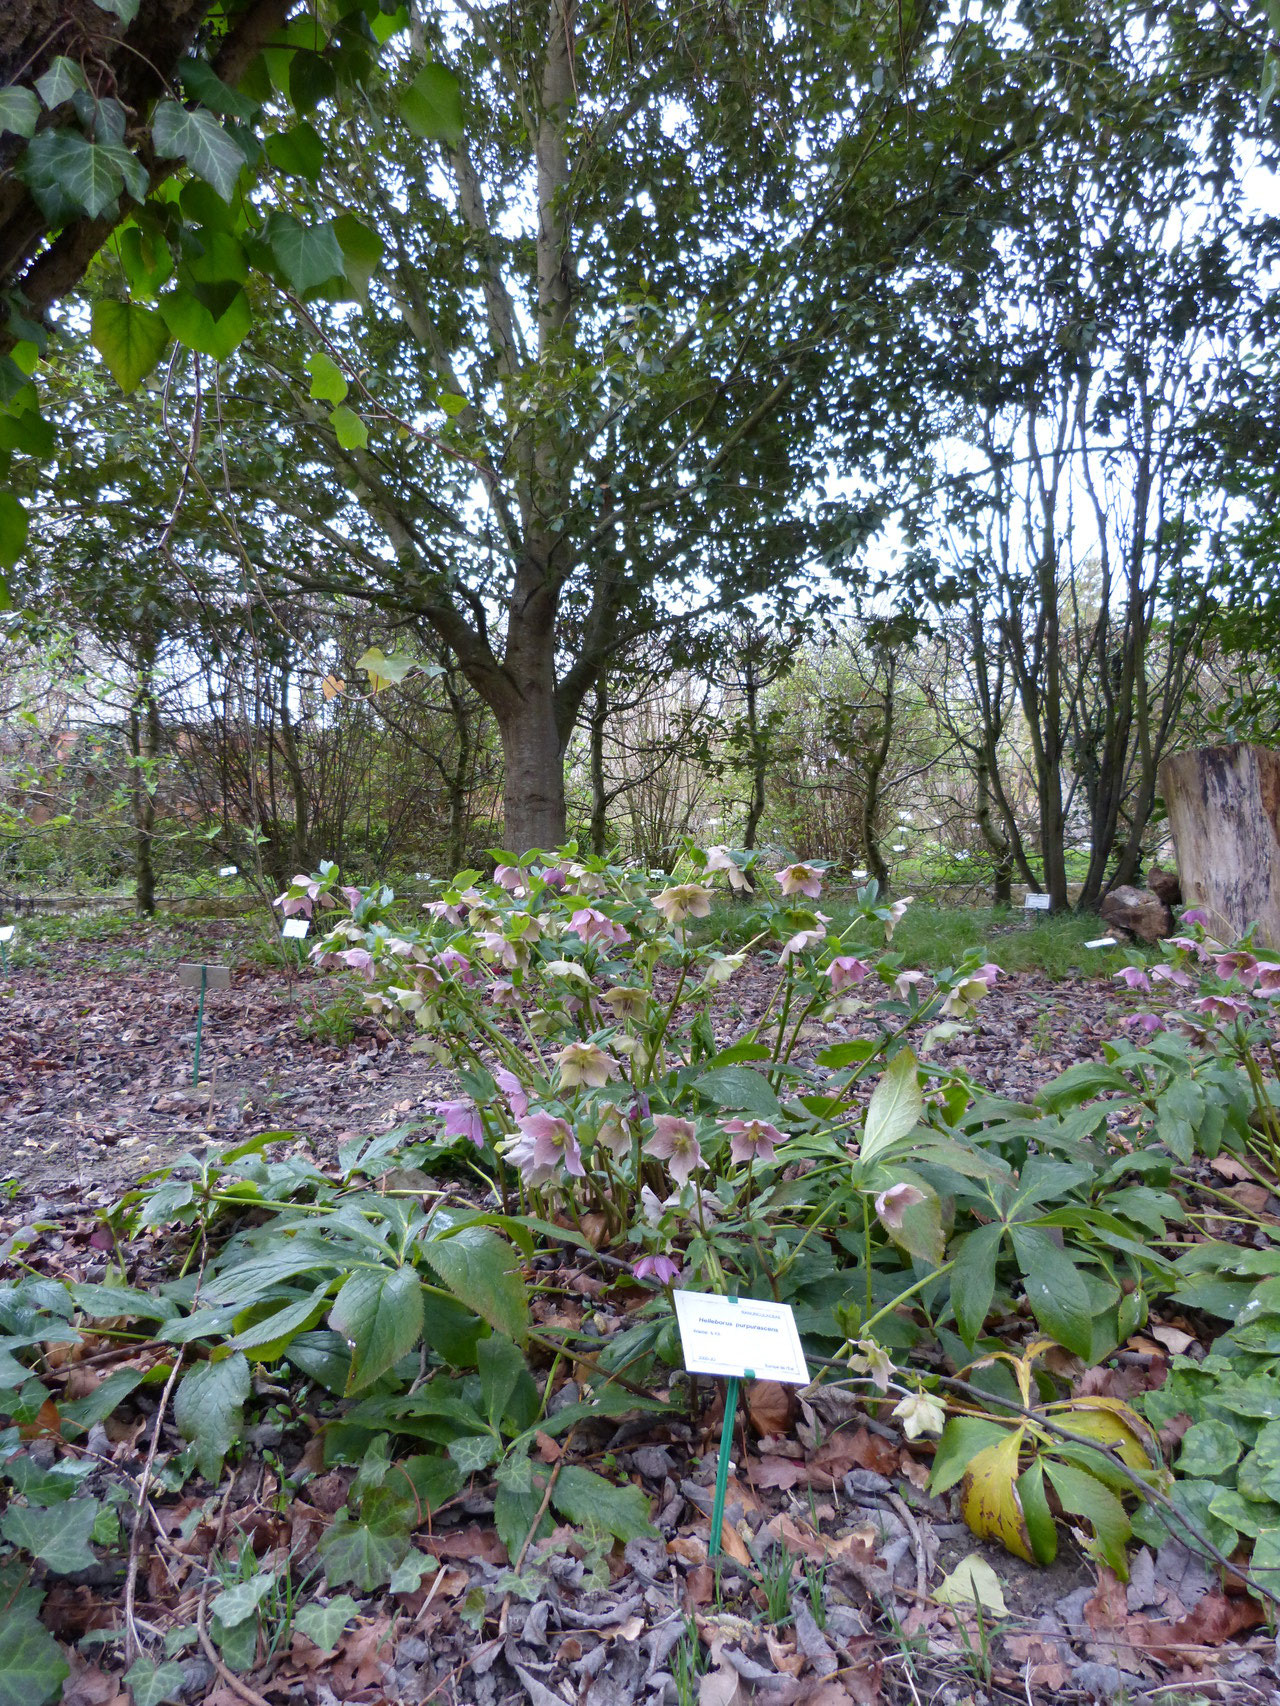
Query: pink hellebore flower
451	961
1268	977
503	993
555	878
1148	1022
613	1135
353	897
514	1091
1172	974
294	906
1238	965
585	1063
1133	977
593	926
718	860
988	974
496	947
359	959
661	1268
895	915
442	909
462	1119
683	900
1196	916
904	980
553	1142
846	969
892	1204
675	1141
802	940
511	878
1224	1007
627	1003
751	1140
800	879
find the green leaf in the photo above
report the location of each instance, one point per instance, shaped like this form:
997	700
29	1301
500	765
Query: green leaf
19	111
200	140
308	255
58	1536
1209	1449
480	1270
32	1668
272	1331
352	434
242	1599
68	175
323	1624
14	523
150	1683
203	84
209	1409
382	671
517	1502
407	1577
896	1105
432	106
740	1087
1055	1288
193	325
328	385
379	1312
361	252
585	1497
1041	1528
126	11
63	79
106	1397
501	1367
474	1452
366	1551
1084	1495
962	1439
297	152
973	1279
130	339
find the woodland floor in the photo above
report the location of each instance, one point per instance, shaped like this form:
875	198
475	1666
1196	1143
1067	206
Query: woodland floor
95	1088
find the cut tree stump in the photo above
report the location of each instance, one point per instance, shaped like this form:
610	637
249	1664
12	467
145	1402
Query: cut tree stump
1224	812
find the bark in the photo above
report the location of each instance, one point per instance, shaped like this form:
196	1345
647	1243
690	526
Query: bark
759	753
297	780
144	749
996	842
599	790
875	770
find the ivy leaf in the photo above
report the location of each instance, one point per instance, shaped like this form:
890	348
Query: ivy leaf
361	252
193	325
517	1502
151	1683
60	82
364	1551
324	1624
379	1312
209	1409
432	106
68	175
327	382
242	1599
479	1269
58	1536
308	255
474	1452
32	1668
126	11
203	84
129	338
14	522
382	670
896	1105
585	1497
200	140
19	110
350	430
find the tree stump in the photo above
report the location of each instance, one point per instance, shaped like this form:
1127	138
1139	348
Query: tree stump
1224	812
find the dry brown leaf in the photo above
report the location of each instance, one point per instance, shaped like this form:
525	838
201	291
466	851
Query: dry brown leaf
783	1655
360	1657
689	1548
1173	1338
1037	1662
332	685
1215	1620
470	1542
92	1687
1109	1606
700	1584
857	1546
549	1450
771	1406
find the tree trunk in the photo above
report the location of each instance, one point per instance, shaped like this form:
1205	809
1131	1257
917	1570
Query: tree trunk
144	745
1224	811
599	793
759	754
533	784
875	770
997	844
297	780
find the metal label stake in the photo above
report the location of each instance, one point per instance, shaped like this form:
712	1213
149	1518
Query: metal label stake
203	978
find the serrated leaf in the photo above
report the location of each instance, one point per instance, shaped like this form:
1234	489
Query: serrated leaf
363	1552
324	1624
989	1498
242	1599
962	1439
200	140
1055	1289
150	1683
431	106
587	1498
379	1313
209	1409
973	1279
328	384
61	81
32	1668
308	255
481	1272
129	338
58	1535
352	434
1042	1531
19	111
740	1088
896	1104
106	1397
1084	1495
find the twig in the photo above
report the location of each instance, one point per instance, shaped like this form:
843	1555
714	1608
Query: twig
250	1696
904	1510
132	1645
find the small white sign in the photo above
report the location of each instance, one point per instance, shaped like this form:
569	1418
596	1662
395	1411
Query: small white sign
1037	903
295	929
228	870
7	932
1102	942
738	1336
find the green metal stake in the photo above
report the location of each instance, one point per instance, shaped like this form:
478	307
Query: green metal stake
204	979
722	1465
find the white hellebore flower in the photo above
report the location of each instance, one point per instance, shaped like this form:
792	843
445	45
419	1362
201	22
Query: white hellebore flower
921	1413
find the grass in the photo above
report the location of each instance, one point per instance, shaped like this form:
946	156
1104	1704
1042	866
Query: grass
933	935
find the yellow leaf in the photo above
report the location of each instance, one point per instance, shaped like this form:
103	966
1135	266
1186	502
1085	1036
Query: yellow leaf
989	1498
1111	1422
332	685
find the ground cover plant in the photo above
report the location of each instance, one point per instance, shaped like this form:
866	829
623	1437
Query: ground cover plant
473	1317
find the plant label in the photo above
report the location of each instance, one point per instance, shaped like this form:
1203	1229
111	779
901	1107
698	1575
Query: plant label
1102	942
7	932
228	870
740	1338
294	929
1037	903
204	977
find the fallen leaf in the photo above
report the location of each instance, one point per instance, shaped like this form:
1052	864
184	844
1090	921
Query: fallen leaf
1215	1620
771	1406
972	1582
1173	1338
1041	1666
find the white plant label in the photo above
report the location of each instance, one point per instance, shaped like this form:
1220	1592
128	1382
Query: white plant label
7	932
228	870
738	1336
295	929
1037	903
1102	942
